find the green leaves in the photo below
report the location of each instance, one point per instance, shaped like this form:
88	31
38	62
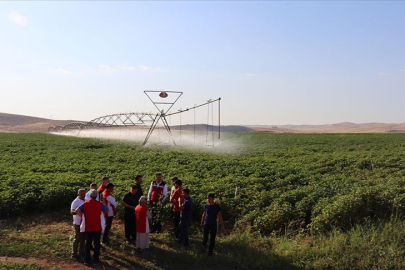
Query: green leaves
273	181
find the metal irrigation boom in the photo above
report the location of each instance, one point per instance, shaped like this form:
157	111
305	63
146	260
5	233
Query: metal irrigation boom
142	118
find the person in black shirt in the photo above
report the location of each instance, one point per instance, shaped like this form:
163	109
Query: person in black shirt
138	182
185	218
212	210
130	202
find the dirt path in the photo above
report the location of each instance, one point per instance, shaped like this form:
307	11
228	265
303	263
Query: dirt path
62	264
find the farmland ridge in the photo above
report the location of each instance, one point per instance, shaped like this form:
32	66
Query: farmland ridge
15	123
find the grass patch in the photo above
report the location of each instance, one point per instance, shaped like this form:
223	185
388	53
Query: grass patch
367	246
26	266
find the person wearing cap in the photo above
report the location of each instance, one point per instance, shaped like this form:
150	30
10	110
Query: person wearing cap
130	201
80	237
110	202
156	198
91	211
185	219
177	200
143	217
212	211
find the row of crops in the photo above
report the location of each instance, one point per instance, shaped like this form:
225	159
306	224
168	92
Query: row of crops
272	182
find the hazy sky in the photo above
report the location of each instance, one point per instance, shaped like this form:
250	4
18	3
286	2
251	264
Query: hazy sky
271	62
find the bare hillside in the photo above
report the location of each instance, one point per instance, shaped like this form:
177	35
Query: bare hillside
334	128
22	123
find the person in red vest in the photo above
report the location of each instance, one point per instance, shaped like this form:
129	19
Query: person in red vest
156	198
104	182
110	202
143	216
91	210
177	200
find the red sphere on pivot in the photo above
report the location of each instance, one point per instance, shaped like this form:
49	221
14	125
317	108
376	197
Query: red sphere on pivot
163	95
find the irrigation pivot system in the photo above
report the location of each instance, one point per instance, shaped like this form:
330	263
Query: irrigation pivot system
162	100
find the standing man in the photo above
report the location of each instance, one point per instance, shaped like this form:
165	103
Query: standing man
173	185
104	182
156	198
92	186
91	211
130	201
177	200
138	182
110	202
212	210
185	219
172	190
80	237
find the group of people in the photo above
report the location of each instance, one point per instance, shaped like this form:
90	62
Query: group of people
94	211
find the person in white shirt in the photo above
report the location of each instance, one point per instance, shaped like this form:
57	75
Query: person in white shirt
80	237
110	202
92	186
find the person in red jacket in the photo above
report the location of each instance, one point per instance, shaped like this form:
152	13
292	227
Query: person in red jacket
91	210
156	198
177	200
142	224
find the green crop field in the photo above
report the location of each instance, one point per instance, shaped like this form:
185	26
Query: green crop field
304	182
272	185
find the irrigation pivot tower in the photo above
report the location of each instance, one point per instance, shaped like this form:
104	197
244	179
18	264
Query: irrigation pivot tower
163	108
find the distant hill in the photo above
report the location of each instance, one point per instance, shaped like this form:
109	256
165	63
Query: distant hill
22	123
203	128
345	127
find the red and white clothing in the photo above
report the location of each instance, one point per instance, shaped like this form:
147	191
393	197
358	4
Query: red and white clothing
156	190
92	210
143	215
102	219
110	202
77	220
177	199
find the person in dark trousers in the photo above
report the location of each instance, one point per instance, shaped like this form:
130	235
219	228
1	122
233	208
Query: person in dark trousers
130	201
91	210
80	237
110	202
212	211
185	218
172	190
177	200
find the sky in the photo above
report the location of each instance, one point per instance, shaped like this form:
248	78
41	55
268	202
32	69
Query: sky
271	62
